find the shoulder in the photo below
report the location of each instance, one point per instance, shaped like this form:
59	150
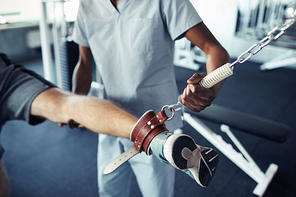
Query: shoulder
5	59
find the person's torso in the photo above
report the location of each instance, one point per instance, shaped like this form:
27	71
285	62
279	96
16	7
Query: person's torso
133	52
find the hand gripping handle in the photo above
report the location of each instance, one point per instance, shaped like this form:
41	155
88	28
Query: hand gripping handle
216	76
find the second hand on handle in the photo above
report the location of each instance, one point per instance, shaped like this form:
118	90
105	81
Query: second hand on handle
209	81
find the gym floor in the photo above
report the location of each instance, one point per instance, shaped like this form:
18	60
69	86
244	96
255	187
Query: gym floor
46	160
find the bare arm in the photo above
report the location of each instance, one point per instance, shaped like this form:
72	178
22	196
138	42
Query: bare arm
82	74
195	97
201	37
95	114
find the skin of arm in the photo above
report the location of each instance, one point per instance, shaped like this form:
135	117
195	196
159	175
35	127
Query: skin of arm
82	74
95	114
194	96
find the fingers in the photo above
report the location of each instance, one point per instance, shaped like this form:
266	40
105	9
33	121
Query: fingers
195	97
71	124
196	78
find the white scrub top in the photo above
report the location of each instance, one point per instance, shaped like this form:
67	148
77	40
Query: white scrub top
133	47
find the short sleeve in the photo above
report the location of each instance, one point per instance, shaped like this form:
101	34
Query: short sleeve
179	16
18	89
79	33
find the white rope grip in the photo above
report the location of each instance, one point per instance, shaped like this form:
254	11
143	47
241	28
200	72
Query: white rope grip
216	76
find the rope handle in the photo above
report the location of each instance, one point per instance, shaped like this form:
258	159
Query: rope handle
216	76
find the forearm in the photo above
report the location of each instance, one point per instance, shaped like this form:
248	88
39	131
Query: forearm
82	75
202	37
217	56
81	79
95	114
195	97
100	116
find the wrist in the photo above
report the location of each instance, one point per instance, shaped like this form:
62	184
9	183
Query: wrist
147	127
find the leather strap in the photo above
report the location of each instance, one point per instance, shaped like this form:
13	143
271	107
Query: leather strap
148	126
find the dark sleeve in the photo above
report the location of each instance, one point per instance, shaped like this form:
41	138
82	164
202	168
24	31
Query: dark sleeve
18	88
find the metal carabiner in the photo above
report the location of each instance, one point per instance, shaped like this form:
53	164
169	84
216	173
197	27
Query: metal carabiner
172	110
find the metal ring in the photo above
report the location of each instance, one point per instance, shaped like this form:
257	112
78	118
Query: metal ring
172	110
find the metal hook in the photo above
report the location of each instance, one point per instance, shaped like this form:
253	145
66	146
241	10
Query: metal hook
172	110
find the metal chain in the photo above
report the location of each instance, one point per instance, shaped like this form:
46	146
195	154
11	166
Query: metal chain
274	34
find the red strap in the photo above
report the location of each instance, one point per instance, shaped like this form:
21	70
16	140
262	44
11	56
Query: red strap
148	126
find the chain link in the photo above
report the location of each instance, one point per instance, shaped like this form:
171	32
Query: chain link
274	34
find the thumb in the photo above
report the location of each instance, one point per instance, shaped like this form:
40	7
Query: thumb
196	78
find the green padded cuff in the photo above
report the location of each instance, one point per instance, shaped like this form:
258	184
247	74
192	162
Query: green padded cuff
156	146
